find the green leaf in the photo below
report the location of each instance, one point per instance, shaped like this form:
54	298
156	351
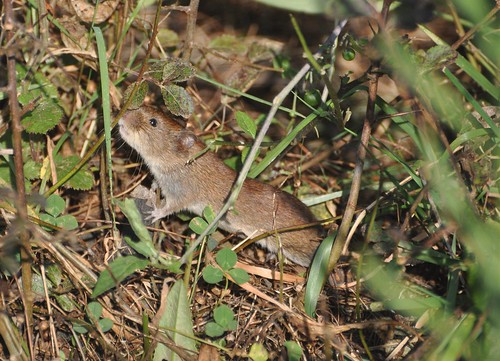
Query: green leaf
139	95
177	70
224	316
282	146
198	225
177	100
121	268
94	310
294	351
47	218
212	274
213	329
54	274
82	180
145	244
178	317
55	205
228	44
226	258
80	327
168	38
32	169
317	274
246	123
258	352
67	222
65	302
209	214
308	7
105	324
47	112
239	275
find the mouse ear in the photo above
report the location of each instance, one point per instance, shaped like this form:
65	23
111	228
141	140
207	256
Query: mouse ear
186	139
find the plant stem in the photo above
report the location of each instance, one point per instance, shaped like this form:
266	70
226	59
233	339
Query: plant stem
191	26
99	142
22	212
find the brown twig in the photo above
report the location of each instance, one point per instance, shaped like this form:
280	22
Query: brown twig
343	231
476	27
190	28
22	212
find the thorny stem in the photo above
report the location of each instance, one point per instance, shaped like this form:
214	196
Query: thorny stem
22	212
99	142
253	151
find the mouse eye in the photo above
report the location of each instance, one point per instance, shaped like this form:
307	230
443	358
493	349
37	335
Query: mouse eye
153	122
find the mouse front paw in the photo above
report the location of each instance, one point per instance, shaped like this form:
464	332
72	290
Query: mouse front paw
158	213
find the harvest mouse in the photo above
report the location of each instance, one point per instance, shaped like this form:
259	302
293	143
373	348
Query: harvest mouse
169	149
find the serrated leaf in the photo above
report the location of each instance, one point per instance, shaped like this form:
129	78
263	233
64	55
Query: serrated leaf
239	275
177	100
45	116
226	258
213	329
94	310
121	268
246	123
55	205
177	70
68	222
212	274
178	317
139	95
198	225
82	180
155	70
47	112
32	169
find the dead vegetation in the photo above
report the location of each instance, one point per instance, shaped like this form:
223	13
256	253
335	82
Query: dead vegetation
391	137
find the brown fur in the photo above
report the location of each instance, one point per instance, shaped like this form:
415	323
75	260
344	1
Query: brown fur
167	149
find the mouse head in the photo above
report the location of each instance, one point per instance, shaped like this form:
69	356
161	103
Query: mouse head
156	136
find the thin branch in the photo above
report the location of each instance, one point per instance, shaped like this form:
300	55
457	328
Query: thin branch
343	231
253	151
22	212
190	28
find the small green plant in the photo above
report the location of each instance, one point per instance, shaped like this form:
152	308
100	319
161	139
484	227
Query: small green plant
258	352
166	74
94	313
122	267
226	260
223	321
293	350
54	207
